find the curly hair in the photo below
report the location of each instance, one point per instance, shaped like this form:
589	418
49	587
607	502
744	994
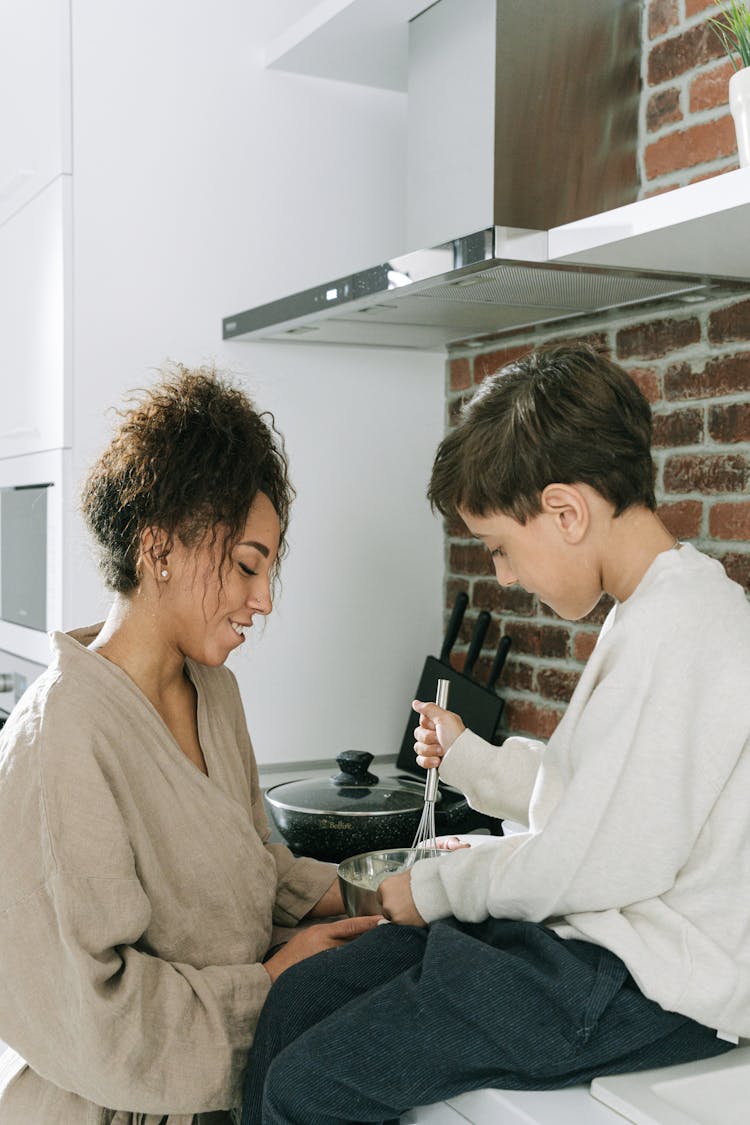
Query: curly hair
188	458
563	413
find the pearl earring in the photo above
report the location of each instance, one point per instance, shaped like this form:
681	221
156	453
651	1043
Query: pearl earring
165	573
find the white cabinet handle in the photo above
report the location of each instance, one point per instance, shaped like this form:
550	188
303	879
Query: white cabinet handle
19	431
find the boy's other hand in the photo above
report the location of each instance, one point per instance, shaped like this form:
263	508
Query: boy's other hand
450	843
437	731
396	902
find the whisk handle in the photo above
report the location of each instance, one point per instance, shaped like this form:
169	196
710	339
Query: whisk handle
431	782
441	695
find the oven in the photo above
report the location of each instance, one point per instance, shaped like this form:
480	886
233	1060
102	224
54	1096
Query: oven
34	514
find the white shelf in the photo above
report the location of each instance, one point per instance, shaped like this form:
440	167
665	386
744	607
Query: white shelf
360	41
703	228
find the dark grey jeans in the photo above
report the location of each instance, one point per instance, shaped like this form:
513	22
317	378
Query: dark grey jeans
405	1016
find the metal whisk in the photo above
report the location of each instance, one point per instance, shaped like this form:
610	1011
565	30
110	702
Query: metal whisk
425	844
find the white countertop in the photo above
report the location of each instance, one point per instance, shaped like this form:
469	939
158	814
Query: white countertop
709	1092
574	1106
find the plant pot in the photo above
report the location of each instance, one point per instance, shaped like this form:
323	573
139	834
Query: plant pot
739	104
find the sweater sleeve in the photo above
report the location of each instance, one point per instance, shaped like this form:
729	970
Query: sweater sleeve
112	1023
615	816
497	780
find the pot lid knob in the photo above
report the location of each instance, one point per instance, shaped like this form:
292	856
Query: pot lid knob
354	771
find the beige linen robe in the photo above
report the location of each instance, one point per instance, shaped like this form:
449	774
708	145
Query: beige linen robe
137	898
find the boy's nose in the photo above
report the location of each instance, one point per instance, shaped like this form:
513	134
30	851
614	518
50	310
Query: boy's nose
503	573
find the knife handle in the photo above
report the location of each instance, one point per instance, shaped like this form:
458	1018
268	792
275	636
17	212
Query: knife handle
476	642
454	625
497	666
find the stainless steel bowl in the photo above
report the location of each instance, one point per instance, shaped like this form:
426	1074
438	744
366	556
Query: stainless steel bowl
361	875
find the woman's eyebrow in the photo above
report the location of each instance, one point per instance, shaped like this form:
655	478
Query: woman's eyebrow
258	546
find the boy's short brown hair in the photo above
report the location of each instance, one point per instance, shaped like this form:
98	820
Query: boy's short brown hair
564	414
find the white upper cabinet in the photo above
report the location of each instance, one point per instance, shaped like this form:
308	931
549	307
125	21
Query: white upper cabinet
361	41
35	98
35	337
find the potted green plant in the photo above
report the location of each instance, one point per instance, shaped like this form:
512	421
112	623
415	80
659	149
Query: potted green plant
733	29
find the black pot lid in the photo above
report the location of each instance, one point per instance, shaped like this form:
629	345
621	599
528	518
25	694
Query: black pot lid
353	792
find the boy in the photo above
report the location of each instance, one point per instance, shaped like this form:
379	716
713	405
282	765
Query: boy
612	935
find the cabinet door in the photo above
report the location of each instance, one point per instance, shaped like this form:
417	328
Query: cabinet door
35	98
34	324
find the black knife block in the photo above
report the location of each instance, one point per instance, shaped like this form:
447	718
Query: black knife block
479	708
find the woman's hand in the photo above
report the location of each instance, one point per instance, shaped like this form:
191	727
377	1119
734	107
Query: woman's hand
395	898
314	939
437	731
330	905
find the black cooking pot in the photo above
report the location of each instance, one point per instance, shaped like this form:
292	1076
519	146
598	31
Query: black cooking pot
355	812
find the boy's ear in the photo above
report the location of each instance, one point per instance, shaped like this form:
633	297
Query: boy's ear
568	507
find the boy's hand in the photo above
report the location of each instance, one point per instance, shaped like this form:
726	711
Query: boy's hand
437	731
396	902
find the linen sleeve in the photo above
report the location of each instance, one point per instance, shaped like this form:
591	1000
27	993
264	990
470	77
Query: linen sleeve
112	1023
623	809
497	780
301	883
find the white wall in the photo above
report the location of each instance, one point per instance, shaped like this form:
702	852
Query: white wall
337	663
204	184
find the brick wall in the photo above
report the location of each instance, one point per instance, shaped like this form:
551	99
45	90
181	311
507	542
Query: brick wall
694	367
686	129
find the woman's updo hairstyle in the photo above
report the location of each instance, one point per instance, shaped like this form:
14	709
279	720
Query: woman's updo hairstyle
188	458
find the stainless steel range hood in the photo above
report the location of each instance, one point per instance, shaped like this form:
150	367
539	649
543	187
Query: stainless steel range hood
463	290
523	116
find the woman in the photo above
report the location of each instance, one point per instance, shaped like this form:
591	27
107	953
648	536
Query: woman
138	893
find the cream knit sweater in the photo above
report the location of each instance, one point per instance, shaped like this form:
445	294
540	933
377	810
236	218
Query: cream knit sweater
638	808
